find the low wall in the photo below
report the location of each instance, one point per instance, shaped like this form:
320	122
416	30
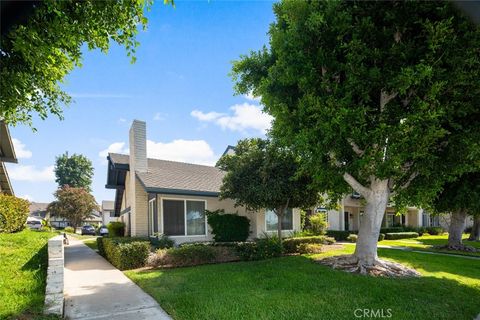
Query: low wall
54	289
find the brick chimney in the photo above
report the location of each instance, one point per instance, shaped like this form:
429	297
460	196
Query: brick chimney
138	146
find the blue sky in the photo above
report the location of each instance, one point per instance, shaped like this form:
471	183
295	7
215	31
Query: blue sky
179	86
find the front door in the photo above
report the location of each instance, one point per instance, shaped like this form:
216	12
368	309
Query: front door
346	219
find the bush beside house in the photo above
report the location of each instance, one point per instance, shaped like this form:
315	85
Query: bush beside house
227	227
116	229
13	213
124	253
401	235
290	245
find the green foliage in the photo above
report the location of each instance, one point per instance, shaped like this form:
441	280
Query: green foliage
338	235
228	227
264	248
462	194
401	235
125	253
434	231
384	90
13	213
318	224
161	241
352	237
290	245
38	54
194	254
75	171
69	230
73	204
381	237
309	248
263	175
116	229
101	249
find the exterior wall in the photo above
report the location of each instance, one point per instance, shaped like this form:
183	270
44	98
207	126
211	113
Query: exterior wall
262	225
140	217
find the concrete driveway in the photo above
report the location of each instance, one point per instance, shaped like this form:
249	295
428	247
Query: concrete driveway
94	289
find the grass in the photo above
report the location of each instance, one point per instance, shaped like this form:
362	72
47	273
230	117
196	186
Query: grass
426	243
296	287
23	271
92	243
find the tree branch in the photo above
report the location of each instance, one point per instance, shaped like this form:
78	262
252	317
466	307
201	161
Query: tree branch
337	163
356	148
357	186
385	98
409	181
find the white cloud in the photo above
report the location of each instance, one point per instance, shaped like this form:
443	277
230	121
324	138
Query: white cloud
190	151
159	116
20	149
27	197
100	95
251	97
122	120
245	117
31	173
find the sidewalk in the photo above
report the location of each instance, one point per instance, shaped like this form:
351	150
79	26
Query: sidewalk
94	289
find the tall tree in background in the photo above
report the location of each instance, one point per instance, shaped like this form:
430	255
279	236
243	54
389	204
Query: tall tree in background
379	96
75	171
73	204
38	54
460	198
261	175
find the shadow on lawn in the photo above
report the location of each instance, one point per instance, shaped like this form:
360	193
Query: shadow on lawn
296	287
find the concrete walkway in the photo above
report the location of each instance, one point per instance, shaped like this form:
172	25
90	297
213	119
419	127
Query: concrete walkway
94	289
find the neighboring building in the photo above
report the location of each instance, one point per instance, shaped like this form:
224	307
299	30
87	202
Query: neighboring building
108	212
171	197
38	210
7	154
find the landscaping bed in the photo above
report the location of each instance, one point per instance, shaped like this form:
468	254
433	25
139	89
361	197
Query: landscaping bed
295	287
23	271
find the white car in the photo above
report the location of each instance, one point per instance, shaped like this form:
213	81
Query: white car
103	231
34	224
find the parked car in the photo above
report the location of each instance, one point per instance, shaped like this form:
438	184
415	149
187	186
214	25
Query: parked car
88	229
34	224
103	231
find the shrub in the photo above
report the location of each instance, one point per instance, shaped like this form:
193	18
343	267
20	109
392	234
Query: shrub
290	245
116	229
435	231
161	241
392	230
421	230
193	254
228	227
318	224
309	248
264	248
69	230
352	238
13	213
381	237
401	235
101	250
126	253
338	235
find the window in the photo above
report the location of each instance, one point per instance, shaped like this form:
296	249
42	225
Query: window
390	219
112	214
151	220
184	218
271	220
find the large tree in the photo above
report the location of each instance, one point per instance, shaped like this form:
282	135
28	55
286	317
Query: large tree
73	204
460	198
38	53
75	171
262	175
379	96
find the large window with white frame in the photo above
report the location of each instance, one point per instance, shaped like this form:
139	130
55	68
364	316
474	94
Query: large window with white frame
184	217
271	220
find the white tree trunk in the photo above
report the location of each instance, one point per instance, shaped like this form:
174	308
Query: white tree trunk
456	228
377	200
475	234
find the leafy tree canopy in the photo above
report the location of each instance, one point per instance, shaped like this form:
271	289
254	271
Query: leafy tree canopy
73	204
262	175
75	171
462	194
36	56
371	90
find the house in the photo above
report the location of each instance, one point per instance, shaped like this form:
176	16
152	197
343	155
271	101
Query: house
170	198
38	210
7	154
108	212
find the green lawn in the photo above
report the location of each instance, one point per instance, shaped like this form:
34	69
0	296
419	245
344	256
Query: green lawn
296	287
23	271
426	242
91	242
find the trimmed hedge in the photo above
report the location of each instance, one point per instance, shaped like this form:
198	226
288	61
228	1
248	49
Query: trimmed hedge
318	224
13	213
401	235
309	248
339	235
125	253
69	229
227	227
193	254
264	248
352	238
161	242
381	237
116	229
290	245
435	231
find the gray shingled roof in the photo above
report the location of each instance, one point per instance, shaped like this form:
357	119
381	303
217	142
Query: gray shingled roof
163	175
